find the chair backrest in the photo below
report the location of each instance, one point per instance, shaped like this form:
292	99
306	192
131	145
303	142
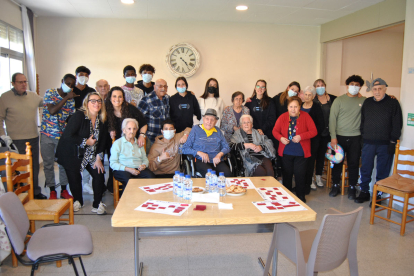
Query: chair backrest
23	167
337	234
15	218
3	166
399	152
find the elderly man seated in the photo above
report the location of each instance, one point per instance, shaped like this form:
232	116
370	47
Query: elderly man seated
207	143
256	150
128	160
164	158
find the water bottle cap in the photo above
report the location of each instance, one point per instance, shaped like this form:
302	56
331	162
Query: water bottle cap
181	174
221	174
213	172
209	170
188	176
177	172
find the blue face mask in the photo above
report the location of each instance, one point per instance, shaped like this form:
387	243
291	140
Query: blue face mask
147	78
66	88
292	93
320	90
181	89
131	79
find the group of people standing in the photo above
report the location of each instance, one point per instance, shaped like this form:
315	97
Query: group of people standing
143	131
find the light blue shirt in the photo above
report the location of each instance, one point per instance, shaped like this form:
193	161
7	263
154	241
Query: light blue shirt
125	154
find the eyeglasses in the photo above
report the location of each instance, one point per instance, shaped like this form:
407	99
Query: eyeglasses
260	87
22	82
95	101
161	86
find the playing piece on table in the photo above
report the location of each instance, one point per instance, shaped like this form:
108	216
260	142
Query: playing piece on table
274	193
200	207
267	207
158	188
243	182
163	207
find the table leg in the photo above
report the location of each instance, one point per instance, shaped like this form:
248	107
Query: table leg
138	265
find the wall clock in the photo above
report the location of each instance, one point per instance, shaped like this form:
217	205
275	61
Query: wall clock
183	60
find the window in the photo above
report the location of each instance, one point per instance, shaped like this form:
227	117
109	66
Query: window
11	54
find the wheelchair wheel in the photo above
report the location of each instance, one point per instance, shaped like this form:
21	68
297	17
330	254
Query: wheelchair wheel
187	167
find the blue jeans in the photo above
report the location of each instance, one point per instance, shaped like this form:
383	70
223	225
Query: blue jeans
384	162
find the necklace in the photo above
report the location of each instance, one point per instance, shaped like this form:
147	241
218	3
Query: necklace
292	127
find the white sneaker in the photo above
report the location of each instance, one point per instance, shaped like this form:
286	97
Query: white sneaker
313	186
100	210
87	188
319	181
77	206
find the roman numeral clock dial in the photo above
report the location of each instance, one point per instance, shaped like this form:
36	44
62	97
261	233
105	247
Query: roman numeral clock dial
183	60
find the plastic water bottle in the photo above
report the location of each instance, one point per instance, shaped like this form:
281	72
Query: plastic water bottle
176	179
213	182
208	176
180	186
188	187
222	184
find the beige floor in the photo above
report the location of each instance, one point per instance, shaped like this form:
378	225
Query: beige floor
381	249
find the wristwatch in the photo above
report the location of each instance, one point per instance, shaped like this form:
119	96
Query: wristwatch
142	134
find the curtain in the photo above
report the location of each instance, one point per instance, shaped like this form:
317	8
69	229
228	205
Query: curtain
29	48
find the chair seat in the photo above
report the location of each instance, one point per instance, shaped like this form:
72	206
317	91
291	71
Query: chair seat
397	182
66	239
307	237
24	197
45	207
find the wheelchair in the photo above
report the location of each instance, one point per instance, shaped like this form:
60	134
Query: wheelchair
188	165
238	165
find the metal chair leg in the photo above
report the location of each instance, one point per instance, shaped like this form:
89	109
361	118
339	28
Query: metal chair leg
72	261
83	268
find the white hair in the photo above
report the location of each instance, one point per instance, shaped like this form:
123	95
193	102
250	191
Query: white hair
310	89
125	123
246	116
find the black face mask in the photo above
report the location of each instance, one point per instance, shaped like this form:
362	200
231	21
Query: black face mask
212	90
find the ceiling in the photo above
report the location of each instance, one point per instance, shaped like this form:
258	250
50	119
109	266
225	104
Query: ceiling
295	12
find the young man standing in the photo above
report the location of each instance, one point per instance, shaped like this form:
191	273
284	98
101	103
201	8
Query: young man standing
82	89
133	94
147	72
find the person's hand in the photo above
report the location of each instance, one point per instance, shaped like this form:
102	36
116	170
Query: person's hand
141	141
71	95
142	167
112	133
236	128
184	139
296	139
334	142
249	146
204	156
98	165
284	141
258	149
217	159
260	131
132	171
165	155
91	141
248	100
392	97
192	92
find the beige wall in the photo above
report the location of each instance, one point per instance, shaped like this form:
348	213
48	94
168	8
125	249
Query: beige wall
373	17
11	14
236	54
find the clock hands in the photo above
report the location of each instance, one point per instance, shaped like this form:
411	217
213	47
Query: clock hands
185	63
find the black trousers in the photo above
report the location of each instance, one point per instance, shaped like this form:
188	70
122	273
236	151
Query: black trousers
21	147
320	153
220	167
294	166
310	166
124	176
171	175
75	184
352	150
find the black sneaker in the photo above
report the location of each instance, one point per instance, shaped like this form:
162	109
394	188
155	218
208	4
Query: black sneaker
363	196
302	197
378	198
334	191
351	192
40	196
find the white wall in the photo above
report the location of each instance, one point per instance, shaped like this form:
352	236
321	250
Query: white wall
236	54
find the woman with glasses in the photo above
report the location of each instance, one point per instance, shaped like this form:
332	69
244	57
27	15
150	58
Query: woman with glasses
81	147
211	99
232	114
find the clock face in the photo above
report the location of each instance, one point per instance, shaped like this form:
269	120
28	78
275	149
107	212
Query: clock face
183	60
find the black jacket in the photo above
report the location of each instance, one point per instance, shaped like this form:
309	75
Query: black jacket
77	129
263	119
279	108
182	110
146	90
326	110
317	117
82	94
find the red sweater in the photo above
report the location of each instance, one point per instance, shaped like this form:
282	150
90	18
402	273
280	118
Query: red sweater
305	127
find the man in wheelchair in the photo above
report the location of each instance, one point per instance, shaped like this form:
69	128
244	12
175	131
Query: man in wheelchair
207	143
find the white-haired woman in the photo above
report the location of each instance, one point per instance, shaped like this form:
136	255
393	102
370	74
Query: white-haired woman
256	150
81	147
128	160
315	111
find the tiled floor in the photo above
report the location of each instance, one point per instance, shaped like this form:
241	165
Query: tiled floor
381	249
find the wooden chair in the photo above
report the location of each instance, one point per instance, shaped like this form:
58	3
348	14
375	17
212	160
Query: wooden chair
395	185
24	197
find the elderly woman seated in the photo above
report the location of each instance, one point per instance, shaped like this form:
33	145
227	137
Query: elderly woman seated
207	143
128	160
256	150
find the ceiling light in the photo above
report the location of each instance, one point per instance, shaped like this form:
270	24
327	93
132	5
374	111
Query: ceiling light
128	1
241	8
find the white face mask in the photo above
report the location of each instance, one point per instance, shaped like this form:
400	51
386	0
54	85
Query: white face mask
292	93
83	80
168	134
147	78
353	90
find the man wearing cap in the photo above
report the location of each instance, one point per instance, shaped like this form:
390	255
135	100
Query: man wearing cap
207	143
381	124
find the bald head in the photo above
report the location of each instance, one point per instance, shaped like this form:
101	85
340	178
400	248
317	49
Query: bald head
160	88
102	86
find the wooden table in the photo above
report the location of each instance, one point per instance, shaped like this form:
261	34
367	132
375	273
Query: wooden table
244	218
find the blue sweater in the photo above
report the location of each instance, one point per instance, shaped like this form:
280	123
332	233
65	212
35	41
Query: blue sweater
212	145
